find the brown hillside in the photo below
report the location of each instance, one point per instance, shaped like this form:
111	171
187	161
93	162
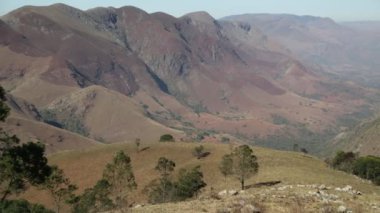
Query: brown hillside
84	168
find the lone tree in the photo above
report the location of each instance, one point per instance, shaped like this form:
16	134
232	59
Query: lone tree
162	190
137	143
241	163
120	177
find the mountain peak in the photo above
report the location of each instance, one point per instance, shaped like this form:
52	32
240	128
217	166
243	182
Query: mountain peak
200	16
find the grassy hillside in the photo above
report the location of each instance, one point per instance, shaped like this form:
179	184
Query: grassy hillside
84	168
364	139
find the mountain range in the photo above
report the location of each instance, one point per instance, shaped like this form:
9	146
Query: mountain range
109	75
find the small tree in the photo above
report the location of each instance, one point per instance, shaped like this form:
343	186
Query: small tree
59	187
303	150
161	190
225	166
244	164
167	138
137	143
165	166
189	183
198	151
120	176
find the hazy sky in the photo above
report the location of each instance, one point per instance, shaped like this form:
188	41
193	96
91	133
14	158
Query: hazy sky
340	10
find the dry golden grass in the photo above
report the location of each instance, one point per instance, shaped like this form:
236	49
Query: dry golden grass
84	168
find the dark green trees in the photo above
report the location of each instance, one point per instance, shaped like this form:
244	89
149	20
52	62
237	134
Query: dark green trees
241	163
189	183
368	167
19	163
344	161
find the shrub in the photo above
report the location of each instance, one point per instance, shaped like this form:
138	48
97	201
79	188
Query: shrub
189	183
368	167
344	161
198	151
167	138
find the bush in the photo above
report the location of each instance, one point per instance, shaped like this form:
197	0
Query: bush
167	138
198	151
344	161
189	183
368	167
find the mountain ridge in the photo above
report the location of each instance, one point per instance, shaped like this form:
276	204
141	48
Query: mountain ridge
197	73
